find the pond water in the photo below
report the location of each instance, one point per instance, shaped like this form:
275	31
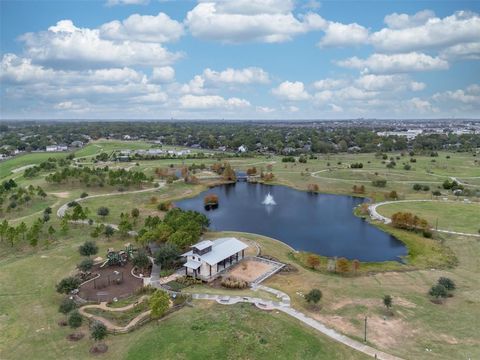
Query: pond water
319	223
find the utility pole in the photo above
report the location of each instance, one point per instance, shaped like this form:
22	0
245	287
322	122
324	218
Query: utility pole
436	225
365	334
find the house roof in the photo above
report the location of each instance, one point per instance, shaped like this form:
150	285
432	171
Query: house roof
192	264
203	244
221	249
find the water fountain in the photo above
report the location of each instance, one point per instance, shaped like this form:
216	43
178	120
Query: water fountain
269	200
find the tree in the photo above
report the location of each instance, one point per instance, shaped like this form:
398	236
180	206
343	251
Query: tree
98	331
75	319
135	214
88	248
141	260
66	285
314	296
103	212
85	265
166	255
313	260
67	305
109	231
387	301
342	265
159	303
22	229
447	283
51	231
438	291
124	227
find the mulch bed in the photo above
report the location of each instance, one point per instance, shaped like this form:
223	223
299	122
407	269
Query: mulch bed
98	349
106	287
75	336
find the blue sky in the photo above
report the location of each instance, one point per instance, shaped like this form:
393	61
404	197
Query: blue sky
243	59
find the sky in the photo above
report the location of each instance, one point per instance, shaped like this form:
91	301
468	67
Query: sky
239	59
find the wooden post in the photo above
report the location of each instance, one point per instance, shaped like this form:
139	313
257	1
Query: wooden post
365	335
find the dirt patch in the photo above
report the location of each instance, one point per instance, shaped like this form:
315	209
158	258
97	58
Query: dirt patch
114	282
249	270
62	195
337	322
98	349
75	336
397	301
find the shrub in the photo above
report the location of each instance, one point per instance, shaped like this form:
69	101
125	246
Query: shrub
98	331
313	261
379	183
164	206
409	221
387	301
75	319
141	260
407	167
88	248
85	265
447	283
356	166
417	187
234	283
66	285
313	188
427	233
342	265
83	195
159	303
438	291
288	159
425	188
436	193
314	296
66	306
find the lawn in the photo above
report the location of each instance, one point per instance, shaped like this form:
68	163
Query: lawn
213	331
446	215
16	162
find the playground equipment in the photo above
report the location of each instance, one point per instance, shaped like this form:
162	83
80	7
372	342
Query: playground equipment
119	257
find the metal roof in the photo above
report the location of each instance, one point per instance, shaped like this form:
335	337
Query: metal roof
192	264
202	244
221	249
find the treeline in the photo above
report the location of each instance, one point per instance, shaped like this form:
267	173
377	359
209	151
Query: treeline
283	138
98	176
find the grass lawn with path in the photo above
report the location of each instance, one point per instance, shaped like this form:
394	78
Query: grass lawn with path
453	216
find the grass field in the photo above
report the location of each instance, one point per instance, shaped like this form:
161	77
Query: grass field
212	331
7	166
447	215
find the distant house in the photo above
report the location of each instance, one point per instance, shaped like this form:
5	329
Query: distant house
77	144
127	137
208	258
62	147
51	148
242	148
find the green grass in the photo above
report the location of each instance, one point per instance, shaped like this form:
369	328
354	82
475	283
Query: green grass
447	215
7	166
212	331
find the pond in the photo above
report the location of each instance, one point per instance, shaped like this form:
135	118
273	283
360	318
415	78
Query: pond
319	223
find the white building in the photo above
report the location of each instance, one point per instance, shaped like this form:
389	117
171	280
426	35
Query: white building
242	148
51	148
208	258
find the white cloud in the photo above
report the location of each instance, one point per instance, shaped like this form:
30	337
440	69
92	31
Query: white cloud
471	96
269	21
146	28
326	84
65	45
402	21
292	91
395	63
163	74
422	31
265	109
374	82
335	108
337	34
194	86
237	76
205	102
127	2
469	51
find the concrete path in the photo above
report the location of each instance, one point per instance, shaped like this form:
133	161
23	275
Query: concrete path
376	216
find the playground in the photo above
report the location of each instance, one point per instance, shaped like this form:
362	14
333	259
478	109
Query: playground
113	281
